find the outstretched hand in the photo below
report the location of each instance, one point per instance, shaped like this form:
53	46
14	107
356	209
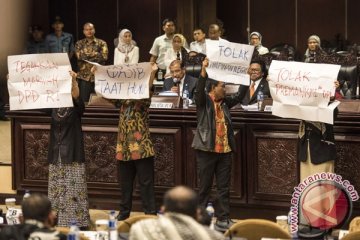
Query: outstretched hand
73	74
154	67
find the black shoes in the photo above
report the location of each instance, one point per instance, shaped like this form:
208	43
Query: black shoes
223	225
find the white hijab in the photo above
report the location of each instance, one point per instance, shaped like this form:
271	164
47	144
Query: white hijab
124	47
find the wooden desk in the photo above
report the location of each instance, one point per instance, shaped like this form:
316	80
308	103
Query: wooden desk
265	169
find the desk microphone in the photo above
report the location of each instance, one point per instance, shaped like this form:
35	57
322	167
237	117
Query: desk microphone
176	81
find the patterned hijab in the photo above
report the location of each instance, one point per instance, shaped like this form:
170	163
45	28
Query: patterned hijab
316	38
124	47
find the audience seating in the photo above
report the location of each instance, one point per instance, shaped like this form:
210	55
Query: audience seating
255	229
348	79
352	236
355	225
124	226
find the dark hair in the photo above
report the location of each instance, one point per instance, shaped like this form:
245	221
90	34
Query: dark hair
210	84
166	20
199	28
37	207
262	66
185	203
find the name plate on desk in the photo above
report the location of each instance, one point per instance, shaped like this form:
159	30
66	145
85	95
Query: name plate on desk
161	105
165	101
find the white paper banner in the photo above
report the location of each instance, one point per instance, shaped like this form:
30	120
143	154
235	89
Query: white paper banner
123	81
228	61
303	90
39	81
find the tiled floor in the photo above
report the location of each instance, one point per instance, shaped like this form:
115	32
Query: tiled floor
5	143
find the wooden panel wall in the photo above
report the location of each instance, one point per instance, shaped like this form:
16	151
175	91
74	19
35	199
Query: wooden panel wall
143	18
292	21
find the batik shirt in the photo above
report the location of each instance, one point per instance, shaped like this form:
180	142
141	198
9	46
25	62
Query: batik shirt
94	51
221	138
133	140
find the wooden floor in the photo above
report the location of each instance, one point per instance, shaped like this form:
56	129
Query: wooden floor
5	145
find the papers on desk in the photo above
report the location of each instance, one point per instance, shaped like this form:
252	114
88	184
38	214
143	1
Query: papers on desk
253	107
168	93
91	235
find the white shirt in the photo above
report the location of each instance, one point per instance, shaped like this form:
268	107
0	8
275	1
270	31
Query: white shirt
160	46
199	47
119	57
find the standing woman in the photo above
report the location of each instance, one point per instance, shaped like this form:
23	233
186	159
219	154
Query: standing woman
316	148
126	51
67	179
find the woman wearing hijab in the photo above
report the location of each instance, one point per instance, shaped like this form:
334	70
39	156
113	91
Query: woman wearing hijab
316	139
126	51
316	150
255	40
67	188
313	43
177	52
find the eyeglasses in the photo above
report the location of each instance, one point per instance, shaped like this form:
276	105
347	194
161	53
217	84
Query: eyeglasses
254	70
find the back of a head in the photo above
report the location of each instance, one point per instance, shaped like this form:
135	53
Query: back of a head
181	199
37	207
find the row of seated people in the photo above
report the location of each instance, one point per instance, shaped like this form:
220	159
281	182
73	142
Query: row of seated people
181	218
347	77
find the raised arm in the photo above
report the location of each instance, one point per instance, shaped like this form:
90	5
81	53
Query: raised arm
200	96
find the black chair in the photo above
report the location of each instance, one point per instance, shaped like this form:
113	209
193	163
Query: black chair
348	79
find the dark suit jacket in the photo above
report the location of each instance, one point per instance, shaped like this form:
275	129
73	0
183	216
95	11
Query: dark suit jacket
263	86
189	80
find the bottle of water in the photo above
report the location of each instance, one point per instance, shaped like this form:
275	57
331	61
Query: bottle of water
185	97
113	233
74	232
160	75
211	211
26	194
260	99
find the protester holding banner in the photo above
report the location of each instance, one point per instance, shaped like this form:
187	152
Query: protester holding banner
67	188
214	143
134	148
91	49
135	152
126	51
214	32
255	39
316	145
257	72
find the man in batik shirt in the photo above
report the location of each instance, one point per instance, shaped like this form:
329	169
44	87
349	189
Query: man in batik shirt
91	49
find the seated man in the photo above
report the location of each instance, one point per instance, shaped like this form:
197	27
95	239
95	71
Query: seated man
258	83
38	221
179	80
178	221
